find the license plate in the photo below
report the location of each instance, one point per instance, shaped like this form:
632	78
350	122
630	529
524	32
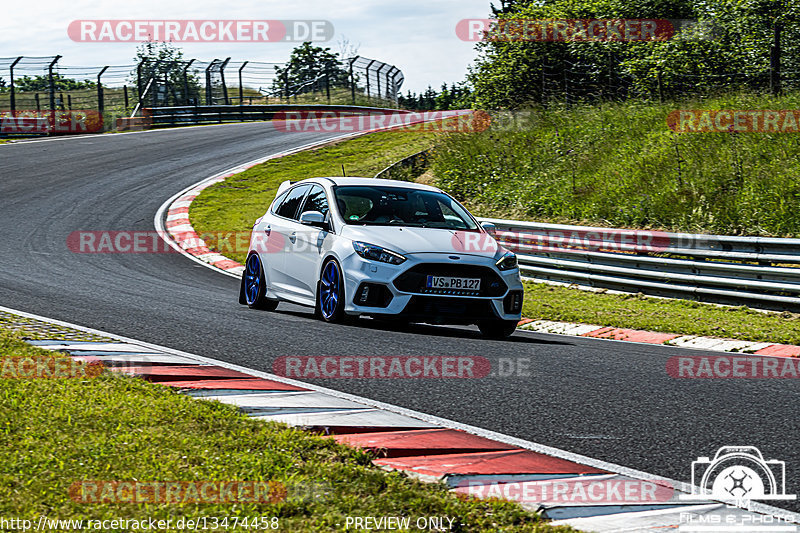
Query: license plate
449	282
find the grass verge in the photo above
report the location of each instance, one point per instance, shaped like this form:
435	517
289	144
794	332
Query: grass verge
116	428
636	311
620	165
234	204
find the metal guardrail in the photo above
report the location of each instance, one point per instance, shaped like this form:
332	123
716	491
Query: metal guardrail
185	115
718	268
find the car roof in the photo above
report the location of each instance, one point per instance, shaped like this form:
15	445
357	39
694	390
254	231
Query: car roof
372	181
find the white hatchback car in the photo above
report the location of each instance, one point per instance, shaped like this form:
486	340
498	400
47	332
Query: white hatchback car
381	248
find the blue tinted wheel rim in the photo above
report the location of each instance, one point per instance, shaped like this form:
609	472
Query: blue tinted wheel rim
252	279
329	290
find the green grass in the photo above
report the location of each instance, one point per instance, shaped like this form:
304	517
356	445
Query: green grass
619	165
551	302
113	428
233	205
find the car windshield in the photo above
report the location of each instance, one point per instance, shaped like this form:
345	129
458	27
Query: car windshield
400	206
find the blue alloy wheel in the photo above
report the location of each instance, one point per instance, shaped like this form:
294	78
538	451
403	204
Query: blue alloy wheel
253	289
252	279
329	290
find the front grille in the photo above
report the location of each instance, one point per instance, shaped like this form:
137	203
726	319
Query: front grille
414	280
437	309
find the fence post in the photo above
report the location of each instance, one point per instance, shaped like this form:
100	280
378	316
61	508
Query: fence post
775	60
154	84
328	81
366	69
11	72
286	84
222	77
387	83
101	106
139	79
69	101
52	83
660	86
378	78
395	88
186	96
38	105
241	87
352	81
125	94
209	96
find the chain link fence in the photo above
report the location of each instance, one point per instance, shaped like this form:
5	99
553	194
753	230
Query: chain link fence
44	84
572	82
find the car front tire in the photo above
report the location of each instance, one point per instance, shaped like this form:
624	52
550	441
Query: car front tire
497	329
330	293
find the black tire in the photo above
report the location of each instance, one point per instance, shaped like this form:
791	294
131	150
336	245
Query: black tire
331	282
497	329
254	275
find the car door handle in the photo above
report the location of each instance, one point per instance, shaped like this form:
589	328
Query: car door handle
293	237
268	230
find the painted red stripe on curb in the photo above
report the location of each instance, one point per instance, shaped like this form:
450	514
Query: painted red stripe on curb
506	462
525	321
178	222
632	335
188	237
186	198
177	210
780	350
180	372
225	264
422	442
234	384
359	430
199	250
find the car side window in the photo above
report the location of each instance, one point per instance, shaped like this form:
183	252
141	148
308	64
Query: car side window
277	202
288	208
316	201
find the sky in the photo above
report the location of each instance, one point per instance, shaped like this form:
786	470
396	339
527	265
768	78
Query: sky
416	36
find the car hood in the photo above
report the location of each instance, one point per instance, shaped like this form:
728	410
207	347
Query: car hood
406	240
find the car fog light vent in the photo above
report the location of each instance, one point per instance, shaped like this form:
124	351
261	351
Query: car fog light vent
364	294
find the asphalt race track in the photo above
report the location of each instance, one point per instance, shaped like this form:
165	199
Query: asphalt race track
609	400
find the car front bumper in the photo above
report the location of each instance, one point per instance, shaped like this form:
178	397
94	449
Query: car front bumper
500	296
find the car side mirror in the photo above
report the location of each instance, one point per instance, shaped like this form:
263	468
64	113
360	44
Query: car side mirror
313	218
489	227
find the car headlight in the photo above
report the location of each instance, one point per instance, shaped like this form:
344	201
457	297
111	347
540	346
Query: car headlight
377	253
508	261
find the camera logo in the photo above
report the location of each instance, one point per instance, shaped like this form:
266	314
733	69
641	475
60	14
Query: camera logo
738	473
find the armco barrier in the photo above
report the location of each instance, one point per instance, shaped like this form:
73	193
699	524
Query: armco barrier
717	268
160	117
